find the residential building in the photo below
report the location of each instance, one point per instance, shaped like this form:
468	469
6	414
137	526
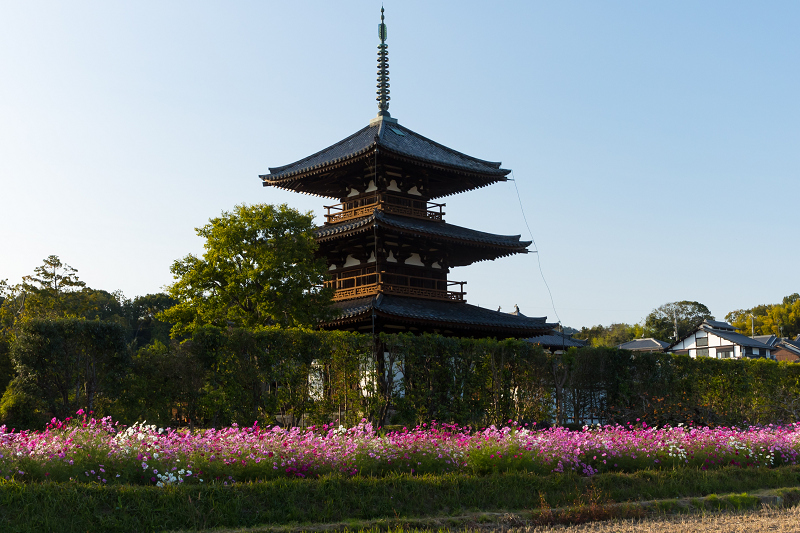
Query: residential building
720	340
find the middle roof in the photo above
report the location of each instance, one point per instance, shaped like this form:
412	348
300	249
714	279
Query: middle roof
465	246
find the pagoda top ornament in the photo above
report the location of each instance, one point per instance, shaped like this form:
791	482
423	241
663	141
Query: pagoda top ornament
383	71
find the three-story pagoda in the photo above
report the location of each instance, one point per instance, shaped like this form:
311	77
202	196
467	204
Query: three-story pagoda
388	247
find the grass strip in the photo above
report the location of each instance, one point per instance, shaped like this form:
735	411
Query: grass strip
731	505
82	507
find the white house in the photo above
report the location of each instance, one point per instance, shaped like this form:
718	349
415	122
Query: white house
721	341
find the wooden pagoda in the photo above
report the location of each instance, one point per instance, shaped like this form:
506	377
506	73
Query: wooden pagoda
388	247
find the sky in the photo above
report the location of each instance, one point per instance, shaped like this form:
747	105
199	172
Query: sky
655	145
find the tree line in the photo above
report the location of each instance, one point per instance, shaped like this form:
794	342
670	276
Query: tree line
781	320
234	340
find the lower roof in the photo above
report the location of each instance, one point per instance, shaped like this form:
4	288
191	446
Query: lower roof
439	314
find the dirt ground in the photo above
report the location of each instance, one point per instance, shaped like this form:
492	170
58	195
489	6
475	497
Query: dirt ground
764	520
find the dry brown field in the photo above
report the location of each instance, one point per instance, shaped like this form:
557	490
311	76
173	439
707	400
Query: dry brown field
766	519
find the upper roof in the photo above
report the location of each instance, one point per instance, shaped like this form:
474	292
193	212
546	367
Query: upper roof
716	324
442	314
384	136
737	338
493	246
647	344
724	331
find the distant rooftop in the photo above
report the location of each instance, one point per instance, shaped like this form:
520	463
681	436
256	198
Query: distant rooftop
648	344
716	324
556	340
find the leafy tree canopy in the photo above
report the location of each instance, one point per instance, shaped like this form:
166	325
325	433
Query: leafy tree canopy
782	320
258	269
610	336
54	291
660	323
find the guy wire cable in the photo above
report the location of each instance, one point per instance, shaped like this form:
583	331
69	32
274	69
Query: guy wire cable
538	255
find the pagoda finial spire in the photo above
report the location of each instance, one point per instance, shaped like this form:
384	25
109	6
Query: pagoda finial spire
383	71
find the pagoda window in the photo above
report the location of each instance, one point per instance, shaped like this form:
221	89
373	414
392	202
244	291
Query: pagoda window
393	186
353	192
413	190
371	187
391	258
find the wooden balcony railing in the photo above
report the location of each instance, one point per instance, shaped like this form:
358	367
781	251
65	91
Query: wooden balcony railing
358	286
387	202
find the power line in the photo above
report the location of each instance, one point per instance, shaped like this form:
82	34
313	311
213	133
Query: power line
538	255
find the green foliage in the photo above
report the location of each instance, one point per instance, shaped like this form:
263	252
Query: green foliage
294	376
471	381
21	405
218	376
258	270
781	320
141	318
50	288
610	336
67	364
660	323
54	291
398	500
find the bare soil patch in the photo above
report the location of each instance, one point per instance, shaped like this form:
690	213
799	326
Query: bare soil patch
766	519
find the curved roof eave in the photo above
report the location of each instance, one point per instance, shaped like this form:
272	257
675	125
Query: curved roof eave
426	228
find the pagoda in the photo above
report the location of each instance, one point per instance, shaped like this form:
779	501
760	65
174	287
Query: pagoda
388	247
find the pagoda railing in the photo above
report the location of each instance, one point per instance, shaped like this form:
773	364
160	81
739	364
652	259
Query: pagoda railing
386	202
369	284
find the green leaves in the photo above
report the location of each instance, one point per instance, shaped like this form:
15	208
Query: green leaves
782	320
68	363
258	269
662	321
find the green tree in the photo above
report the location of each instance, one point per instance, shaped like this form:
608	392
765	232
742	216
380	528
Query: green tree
6	325
258	269
47	292
54	291
782	320
68	363
610	336
660	323
141	318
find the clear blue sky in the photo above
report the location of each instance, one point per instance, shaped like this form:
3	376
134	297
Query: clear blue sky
655	144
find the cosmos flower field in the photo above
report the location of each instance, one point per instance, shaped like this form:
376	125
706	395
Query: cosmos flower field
88	450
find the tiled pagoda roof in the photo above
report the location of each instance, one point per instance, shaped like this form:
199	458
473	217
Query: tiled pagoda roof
395	141
493	246
432	313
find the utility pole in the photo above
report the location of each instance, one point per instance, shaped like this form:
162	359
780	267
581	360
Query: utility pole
675	322
752	325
